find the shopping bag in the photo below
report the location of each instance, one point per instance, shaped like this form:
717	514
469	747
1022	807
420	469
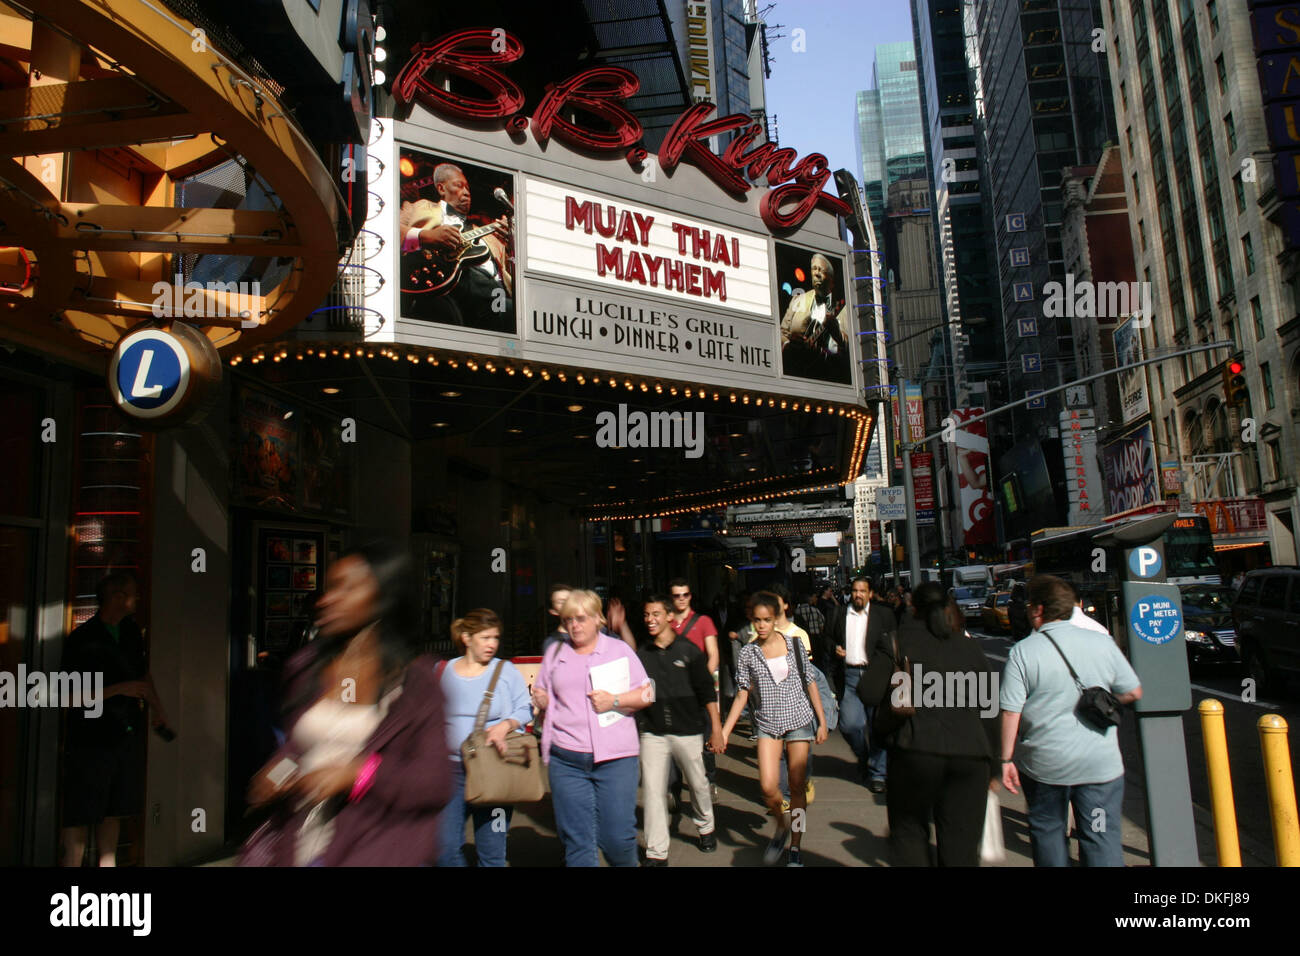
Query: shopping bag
993	848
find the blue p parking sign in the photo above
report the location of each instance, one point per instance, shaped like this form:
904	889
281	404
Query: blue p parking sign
149	374
1144	562
1156	618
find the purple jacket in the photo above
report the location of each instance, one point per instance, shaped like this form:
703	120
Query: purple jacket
395	822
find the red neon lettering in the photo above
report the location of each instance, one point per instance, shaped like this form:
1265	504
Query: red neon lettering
593	91
464	54
683	141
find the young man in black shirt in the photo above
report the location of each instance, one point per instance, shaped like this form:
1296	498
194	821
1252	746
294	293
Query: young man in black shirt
104	756
673	728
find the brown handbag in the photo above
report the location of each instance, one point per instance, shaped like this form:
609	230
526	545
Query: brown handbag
491	778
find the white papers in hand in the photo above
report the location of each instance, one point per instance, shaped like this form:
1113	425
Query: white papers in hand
613	678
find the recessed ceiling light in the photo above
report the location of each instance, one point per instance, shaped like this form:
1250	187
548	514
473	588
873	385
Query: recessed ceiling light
753	468
450	394
441	424
515	431
634	460
330	391
575	408
649	472
737	434
612	487
581	436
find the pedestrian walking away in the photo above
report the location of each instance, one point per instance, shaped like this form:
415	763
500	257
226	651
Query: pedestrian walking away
465	681
788	714
588	685
673	728
942	761
1062	759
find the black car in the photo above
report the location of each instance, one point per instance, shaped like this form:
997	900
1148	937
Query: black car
1267	615
1208	626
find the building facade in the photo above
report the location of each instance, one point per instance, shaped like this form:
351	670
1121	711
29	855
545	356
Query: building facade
1194	144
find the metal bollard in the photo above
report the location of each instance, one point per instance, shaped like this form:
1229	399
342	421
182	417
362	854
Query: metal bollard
1281	789
1220	774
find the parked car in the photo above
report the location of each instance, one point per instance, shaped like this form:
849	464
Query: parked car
994	613
970	600
1208	628
1267	618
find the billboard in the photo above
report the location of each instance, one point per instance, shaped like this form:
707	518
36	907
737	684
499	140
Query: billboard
915	411
1130	464
1079	448
593	257
923	487
974	496
1132	381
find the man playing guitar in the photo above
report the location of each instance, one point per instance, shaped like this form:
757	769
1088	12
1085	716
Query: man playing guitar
482	296
813	340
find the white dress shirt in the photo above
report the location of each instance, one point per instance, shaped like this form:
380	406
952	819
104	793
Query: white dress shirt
855	637
816	317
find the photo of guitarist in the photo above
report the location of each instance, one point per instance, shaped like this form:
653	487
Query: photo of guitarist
814	340
481	296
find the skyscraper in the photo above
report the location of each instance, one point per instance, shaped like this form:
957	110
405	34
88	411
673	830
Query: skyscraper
890	131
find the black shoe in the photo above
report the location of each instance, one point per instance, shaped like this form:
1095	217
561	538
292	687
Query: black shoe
877	785
708	842
653	861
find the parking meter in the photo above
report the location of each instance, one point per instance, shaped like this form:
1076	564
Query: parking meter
1152	617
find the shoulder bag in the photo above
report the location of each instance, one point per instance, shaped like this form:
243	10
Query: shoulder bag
1097	706
491	778
830	708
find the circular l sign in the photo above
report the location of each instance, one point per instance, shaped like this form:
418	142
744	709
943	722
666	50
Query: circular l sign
164	376
1156	618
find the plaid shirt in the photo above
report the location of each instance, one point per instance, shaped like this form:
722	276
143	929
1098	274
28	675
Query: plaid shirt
781	707
811	619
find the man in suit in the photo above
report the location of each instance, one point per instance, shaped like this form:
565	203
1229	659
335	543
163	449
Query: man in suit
482	296
855	632
813	339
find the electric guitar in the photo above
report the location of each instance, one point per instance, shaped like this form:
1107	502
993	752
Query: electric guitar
430	271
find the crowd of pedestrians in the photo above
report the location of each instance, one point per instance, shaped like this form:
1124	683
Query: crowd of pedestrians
371	768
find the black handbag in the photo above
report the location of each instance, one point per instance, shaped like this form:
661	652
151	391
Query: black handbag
1097	706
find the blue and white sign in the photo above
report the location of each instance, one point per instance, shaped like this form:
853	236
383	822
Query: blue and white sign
1145	562
149	373
1016	222
1019	257
1156	619
1024	291
1031	362
1028	327
1035	402
891	504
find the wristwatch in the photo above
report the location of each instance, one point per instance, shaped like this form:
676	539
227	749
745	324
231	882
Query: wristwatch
615	702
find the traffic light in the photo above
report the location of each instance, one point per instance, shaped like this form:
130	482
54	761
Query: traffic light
1234	382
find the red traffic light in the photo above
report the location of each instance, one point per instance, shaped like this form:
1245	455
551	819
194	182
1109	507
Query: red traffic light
1235	367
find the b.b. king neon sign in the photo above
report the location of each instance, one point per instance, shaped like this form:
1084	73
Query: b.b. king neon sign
796	186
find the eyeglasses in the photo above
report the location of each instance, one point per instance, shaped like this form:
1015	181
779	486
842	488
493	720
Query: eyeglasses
580	619
682	594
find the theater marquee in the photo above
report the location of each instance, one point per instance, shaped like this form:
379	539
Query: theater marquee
592	255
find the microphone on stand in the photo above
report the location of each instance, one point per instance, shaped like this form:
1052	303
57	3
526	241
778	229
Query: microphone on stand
502	198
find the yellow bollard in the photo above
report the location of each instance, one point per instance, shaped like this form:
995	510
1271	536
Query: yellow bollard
1281	789
1220	774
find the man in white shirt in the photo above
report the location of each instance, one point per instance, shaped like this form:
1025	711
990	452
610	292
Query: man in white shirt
482	295
813	339
1079	619
855	629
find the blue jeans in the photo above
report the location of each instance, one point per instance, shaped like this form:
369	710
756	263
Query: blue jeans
855	724
595	807
1100	840
490	827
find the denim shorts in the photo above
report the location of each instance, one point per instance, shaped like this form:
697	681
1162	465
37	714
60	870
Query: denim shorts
808	733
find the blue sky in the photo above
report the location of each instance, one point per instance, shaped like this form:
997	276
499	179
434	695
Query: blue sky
840	38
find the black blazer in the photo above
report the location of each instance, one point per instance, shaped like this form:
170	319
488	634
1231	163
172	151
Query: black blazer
945	731
880	623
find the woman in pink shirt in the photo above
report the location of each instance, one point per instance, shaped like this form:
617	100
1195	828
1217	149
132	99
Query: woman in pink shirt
587	687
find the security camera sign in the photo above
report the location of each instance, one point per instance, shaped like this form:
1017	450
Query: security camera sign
891	504
1156	619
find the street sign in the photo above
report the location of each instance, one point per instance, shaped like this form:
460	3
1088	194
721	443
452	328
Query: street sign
1156	619
163	376
1016	222
1024	291
1145	562
1031	362
1037	402
1028	328
891	503
1019	257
